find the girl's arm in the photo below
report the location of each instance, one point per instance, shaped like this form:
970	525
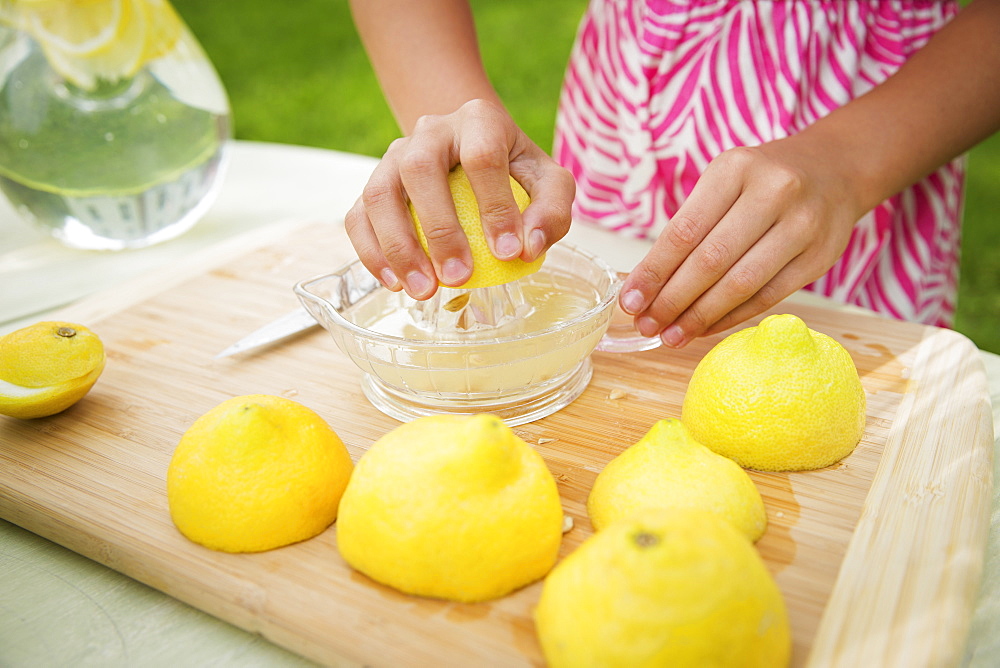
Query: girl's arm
426	56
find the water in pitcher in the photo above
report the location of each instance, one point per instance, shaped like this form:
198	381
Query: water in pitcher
114	163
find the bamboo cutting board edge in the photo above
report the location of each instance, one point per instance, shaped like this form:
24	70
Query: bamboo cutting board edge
874	616
956	596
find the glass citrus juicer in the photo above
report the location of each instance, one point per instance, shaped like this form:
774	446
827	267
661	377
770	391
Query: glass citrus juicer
520	351
113	122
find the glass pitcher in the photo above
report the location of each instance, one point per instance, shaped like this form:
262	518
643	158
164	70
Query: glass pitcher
113	122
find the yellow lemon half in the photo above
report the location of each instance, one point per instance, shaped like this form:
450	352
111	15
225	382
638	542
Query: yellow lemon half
87	41
453	507
667	468
255	473
777	397
487	270
47	367
663	588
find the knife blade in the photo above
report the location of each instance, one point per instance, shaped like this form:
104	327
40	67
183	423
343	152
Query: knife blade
290	324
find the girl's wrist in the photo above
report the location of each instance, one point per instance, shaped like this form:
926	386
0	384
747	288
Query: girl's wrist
838	169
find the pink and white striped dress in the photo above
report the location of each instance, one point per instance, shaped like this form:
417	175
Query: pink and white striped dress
655	89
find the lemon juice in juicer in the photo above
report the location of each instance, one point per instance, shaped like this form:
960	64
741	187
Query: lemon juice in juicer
112	120
451	355
514	341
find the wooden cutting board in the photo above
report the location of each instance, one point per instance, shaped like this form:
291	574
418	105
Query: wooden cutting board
878	557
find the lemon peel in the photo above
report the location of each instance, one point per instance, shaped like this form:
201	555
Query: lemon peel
663	587
487	270
47	367
255	473
453	507
667	468
777	397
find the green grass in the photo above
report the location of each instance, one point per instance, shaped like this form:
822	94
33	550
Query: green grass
979	283
296	74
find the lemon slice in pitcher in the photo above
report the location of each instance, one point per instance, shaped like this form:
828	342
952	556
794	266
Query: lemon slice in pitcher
89	41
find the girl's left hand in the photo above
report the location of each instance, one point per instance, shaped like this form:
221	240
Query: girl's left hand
760	223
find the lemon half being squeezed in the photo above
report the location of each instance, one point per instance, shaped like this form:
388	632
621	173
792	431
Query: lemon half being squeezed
487	269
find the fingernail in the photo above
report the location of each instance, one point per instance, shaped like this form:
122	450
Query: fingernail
454	271
647	326
417	284
389	279
673	336
508	246
632	302
536	242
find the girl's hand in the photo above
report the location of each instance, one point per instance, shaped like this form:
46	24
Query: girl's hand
763	222
485	140
760	223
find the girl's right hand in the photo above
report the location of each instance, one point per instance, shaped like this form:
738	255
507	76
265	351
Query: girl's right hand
489	145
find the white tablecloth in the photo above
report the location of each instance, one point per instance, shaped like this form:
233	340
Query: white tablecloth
60	609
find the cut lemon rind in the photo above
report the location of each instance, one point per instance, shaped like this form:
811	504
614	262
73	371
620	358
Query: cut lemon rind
27	403
49	354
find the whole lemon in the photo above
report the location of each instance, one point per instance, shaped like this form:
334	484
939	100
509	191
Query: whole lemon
487	270
777	397
451	506
47	367
667	468
663	587
255	473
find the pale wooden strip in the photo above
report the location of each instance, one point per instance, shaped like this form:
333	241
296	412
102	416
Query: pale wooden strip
906	588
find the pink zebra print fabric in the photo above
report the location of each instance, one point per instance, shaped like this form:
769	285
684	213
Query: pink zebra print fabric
656	89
